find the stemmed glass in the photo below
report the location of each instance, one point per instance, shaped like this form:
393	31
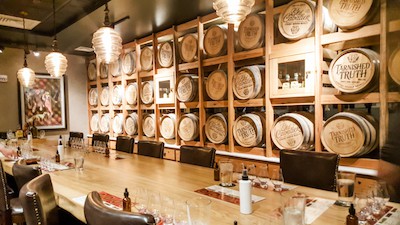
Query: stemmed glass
181	216
167	210
154	205
277	179
363	204
141	200
263	176
380	197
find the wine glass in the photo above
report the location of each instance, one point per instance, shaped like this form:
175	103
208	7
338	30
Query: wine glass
263	176
154	205
381	197
167	210
141	200
277	179
363	207
181	216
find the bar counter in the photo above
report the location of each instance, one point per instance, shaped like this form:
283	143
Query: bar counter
170	178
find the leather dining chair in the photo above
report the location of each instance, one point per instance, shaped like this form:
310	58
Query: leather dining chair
200	156
10	208
125	144
100	137
151	148
96	213
74	135
24	173
309	168
39	204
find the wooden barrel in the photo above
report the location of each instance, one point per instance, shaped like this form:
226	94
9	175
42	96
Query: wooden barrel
248	82
351	14
93	97
131	124
297	20
188	127
105	96
186	87
147	92
217	128
167	126
165	54
350	134
146	59
215	41
355	70
105	123
94	122
117	94
117	123
293	131
217	85
115	68
394	68
129	63
149	125
251	32
188	48
131	93
91	71
248	130
103	71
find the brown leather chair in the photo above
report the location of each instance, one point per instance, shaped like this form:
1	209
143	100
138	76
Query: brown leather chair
96	213
151	148
39	204
10	208
24	173
125	144
100	137
200	156
309	168
74	135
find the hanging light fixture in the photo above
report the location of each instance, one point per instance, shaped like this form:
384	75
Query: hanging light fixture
233	11
107	43
55	62
25	75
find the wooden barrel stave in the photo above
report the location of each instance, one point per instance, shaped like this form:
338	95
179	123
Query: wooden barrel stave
248	130
214	41
217	85
188	127
188	48
131	93
167	126
165	54
248	82
216	128
147	92
251	32
131	124
149	125
129	63
146	58
186	87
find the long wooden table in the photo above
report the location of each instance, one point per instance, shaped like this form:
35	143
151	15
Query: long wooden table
170	178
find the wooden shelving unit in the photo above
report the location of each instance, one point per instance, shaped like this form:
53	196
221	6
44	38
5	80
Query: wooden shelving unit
320	46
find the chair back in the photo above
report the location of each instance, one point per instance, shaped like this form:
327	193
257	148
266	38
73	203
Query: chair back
200	156
311	169
96	213
4	198
38	201
74	135
125	144
100	137
24	173
151	148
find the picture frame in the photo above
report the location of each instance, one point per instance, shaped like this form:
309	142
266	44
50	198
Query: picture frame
44	102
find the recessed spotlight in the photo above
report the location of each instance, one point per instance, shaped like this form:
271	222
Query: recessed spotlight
36	53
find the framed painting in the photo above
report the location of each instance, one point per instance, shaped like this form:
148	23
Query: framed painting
44	102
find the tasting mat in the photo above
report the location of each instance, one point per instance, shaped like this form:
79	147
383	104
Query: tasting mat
225	194
389	216
285	187
60	166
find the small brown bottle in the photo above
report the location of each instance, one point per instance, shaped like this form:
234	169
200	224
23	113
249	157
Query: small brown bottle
216	172
352	218
57	157
126	202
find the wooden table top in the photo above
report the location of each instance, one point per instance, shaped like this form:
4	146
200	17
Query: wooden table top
176	180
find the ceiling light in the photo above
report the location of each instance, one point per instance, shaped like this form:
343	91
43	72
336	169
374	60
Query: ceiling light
107	43
233	11
36	53
25	75
55	62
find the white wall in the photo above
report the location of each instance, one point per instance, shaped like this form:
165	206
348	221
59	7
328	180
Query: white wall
11	60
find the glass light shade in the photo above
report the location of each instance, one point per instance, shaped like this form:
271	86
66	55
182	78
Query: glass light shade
107	45
233	11
56	64
26	76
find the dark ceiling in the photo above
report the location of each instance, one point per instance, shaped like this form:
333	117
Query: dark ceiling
77	20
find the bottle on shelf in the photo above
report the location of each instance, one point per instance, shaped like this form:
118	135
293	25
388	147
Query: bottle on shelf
126	201
19	133
60	147
286	84
352	219
245	186
216	172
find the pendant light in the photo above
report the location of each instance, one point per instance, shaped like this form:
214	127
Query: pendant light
25	75
107	43
55	62
233	11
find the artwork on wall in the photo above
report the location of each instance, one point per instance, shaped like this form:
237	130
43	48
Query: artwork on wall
44	102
